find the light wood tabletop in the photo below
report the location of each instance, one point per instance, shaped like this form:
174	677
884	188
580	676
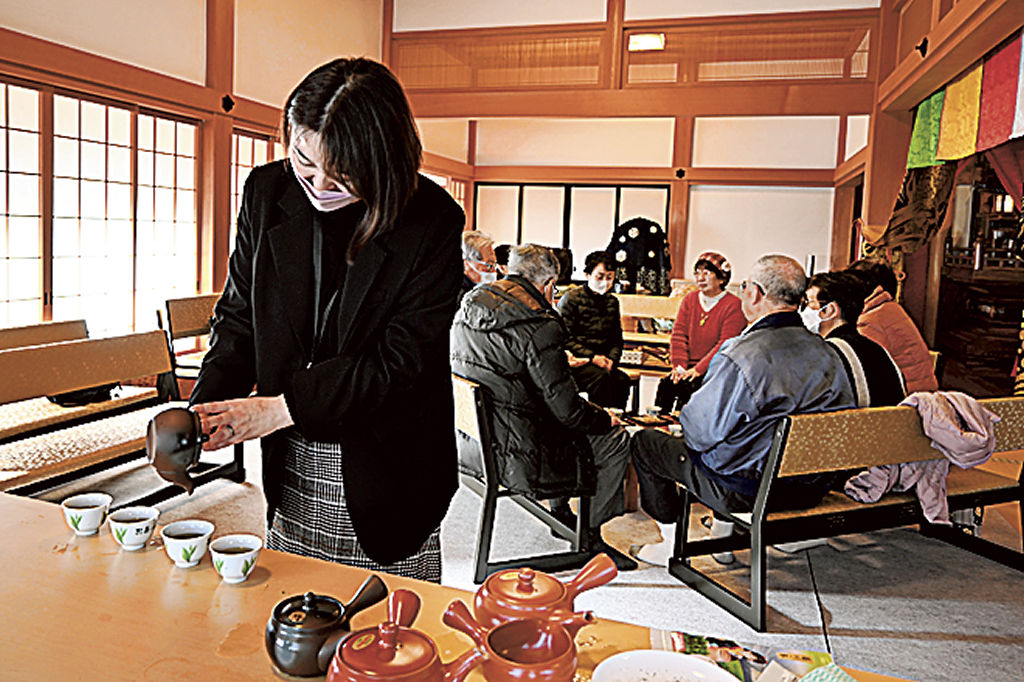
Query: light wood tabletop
81	608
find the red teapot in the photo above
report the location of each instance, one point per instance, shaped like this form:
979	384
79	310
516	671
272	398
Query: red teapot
394	652
540	650
516	594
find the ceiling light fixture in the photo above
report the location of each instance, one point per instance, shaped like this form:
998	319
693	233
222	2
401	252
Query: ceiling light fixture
645	42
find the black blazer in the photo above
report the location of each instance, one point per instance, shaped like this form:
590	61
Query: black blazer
384	390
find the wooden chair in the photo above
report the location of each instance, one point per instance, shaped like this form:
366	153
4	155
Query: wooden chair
187	318
39	334
472	426
856	439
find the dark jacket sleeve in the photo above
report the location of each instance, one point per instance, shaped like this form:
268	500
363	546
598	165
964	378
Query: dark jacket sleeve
356	383
616	332
569	309
229	368
549	370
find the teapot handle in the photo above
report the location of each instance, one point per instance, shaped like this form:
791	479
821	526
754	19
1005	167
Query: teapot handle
369	593
598	571
457	616
458	669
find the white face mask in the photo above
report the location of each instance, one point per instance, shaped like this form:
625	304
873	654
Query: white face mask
601	288
811	319
324	200
487	277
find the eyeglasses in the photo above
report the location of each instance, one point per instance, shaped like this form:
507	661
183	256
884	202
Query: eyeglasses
747	282
485	266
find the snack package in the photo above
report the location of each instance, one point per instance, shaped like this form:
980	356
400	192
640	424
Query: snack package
741	662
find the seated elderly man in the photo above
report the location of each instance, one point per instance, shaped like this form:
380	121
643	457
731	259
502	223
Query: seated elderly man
774	368
550	443
591	315
478	261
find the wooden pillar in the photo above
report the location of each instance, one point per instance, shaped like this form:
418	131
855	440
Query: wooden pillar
679	195
215	151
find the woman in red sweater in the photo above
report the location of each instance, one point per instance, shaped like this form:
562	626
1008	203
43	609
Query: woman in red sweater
706	318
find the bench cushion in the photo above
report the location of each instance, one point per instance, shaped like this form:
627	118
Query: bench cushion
39	457
30	415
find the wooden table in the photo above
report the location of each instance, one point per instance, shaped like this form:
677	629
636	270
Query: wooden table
79	608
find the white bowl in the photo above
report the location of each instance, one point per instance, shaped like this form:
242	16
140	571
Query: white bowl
85	512
234	556
653	665
133	526
185	541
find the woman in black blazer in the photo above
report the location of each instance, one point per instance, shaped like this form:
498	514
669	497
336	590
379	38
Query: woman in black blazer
341	290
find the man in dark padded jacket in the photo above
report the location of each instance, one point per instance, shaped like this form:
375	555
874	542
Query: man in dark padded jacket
550	443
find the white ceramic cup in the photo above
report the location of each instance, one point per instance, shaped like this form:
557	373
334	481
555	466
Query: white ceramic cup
675	429
85	512
133	526
653	410
234	556
185	541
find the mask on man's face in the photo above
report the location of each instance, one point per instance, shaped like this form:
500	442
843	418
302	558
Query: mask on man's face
811	319
487	277
602	287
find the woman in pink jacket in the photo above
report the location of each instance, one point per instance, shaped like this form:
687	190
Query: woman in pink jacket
885	322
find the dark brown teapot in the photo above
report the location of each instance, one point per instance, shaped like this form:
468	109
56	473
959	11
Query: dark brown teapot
394	652
524	593
304	630
174	441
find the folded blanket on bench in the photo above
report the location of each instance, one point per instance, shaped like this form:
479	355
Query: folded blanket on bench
959	428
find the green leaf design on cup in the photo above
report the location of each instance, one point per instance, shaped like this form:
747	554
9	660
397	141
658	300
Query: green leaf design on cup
218	564
247	565
119	533
187	552
75	520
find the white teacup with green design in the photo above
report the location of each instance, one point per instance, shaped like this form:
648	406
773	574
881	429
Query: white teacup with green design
234	556
133	526
85	512
185	541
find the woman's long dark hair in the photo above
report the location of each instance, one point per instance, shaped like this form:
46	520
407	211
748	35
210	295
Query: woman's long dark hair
369	139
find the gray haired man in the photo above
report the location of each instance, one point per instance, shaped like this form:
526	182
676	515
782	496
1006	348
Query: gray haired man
478	261
550	443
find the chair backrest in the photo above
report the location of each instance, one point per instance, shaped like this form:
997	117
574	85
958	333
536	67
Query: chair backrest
39	334
473	430
633	305
188	317
38	371
874	436
467	408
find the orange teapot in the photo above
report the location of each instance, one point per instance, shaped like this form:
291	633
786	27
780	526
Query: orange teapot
540	650
515	594
394	652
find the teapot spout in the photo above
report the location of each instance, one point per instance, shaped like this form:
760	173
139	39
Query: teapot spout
178	477
572	621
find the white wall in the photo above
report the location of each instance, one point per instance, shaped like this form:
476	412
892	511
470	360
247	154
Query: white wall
277	43
575	142
765	142
447	137
670	9
423	15
168	36
744	223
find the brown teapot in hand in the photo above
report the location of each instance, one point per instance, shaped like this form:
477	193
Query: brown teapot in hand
524	593
540	650
304	630
394	652
174	441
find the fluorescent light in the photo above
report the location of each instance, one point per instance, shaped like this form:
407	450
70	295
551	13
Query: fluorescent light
643	42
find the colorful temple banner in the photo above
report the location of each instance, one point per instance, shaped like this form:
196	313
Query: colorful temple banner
999	90
1018	120
925	137
958	131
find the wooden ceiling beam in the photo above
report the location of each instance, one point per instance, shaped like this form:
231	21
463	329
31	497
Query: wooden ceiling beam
739	99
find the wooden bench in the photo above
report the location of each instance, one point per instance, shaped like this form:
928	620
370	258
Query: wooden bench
44	445
39	334
836	441
188	318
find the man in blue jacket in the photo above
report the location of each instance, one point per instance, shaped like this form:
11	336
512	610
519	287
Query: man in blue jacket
774	368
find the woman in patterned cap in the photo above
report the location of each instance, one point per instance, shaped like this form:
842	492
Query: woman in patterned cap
706	318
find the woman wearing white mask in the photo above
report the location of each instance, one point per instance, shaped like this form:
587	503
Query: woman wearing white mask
341	290
591	315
